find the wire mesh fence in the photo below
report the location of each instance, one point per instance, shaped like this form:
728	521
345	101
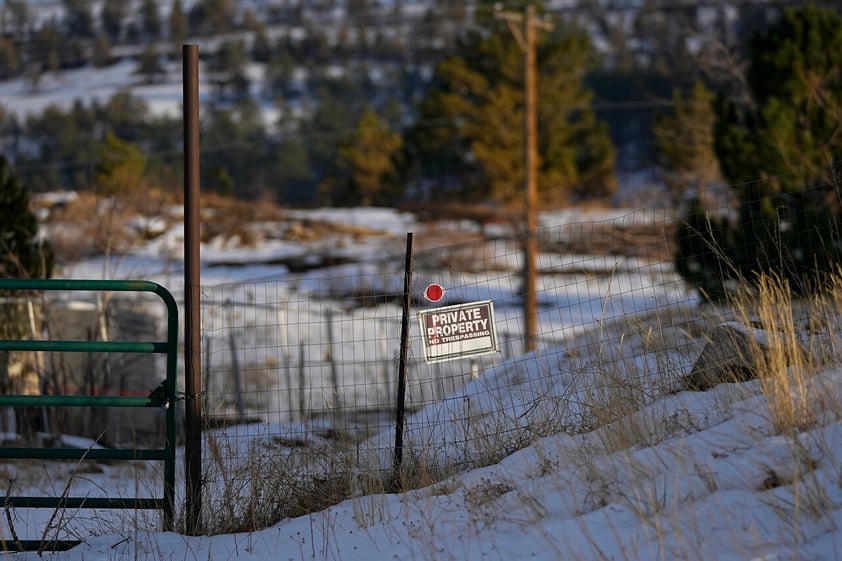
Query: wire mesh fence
301	374
300	349
304	370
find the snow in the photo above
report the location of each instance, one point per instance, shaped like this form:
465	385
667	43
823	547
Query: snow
711	478
714	479
88	85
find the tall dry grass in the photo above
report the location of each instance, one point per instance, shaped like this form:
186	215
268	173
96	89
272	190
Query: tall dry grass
790	341
786	344
628	371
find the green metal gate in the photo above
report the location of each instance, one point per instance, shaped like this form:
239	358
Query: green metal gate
164	397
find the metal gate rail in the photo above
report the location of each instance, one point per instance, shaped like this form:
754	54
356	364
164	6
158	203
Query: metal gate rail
165	398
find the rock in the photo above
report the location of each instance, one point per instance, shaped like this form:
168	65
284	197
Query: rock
729	356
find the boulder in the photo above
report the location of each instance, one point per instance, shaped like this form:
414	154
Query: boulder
730	355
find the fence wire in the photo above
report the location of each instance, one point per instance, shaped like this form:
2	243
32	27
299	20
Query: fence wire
301	373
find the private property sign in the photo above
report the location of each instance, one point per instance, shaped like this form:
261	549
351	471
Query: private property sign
458	331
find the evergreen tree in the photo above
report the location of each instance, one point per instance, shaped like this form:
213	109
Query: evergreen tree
150	65
234	142
118	175
704	242
777	152
790	129
150	19
278	75
261	48
125	115
685	142
61	145
10	133
62	137
119	166
112	16
359	11
19	18
292	172
665	49
470	127
22	254
179	26
212	16
9	59
45	47
78	21
228	69
101	55
337	106
366	172
684	137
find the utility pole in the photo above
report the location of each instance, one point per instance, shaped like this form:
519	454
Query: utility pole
523	28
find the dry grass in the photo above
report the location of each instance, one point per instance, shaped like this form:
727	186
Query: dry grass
782	365
615	392
619	398
790	348
253	491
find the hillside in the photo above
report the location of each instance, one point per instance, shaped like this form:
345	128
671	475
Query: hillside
585	450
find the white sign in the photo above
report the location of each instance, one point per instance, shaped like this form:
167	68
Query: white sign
458	331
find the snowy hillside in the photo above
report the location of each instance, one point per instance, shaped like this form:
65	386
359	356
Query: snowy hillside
590	449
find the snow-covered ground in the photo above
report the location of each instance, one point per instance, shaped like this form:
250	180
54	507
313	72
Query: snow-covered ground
62	89
705	475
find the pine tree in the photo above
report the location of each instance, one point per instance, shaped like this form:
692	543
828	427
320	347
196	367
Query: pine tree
179	26
685	142
236	147
705	245
292	171
261	48
684	138
78	21
777	152
119	166
212	16
150	65
18	18
101	55
22	254
111	17
336	110
469	136
9	59
150	19
228	69
367	173
790	130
